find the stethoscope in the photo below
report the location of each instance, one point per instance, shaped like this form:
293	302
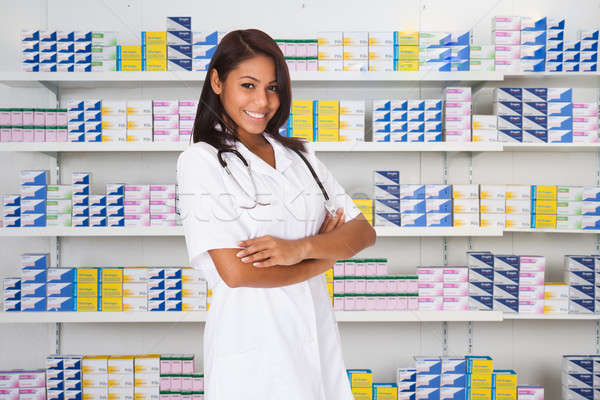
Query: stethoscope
328	204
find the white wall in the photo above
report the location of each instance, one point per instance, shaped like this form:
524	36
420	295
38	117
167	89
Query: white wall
532	348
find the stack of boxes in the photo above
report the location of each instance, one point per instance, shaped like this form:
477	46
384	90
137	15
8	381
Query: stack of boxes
120	377
162	205
481	280
585	122
65	53
453	378
114	121
591	208
433	54
139	121
588	56
194	291
356	51
465	205
33	125
438	205
443	288
556	298
33	281
177	376
154	51
579	377
406	381
33	198
479	377
382	54
406	51
111	283
531	284
352	121
179	43
61	289
580	275
204	45
485	128
11	211
457	122
518	206
63	377
492	206
81	200
30	50
84	121
533	44
187	116
104	51
301	122
300	54
412	205
482	58
330	51
506	283
407	120
366	208
165	120
555	44
327	118
47	48
506	35
386	187
543	206
11	294
94	377
115	200
137	205
459	45
135	289
129	57
428	380
23	384
361	383
88	289
82	48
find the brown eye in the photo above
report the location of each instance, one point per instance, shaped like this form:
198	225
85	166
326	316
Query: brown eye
274	88
248	85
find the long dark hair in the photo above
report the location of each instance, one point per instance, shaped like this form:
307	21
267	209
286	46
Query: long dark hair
234	48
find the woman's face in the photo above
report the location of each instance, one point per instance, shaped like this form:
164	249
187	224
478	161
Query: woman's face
250	94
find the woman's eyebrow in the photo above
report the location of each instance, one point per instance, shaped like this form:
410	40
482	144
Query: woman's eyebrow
254	79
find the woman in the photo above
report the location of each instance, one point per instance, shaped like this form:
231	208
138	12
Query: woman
263	236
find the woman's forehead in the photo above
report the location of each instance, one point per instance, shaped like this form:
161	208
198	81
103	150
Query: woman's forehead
259	67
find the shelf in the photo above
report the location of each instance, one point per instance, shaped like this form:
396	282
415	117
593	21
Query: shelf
531	147
341	316
384	231
90	79
541	230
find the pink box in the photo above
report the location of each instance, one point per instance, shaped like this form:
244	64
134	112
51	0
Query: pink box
339	287
165	369
188	107
176	368
361	285
585	123
186	382
531	278
508	52
62	134
165	107
391	303
455	123
175	380
39	134
28	134
456	303
32	379
5	118
531	306
458	108
371	269
338	267
137	207
585	136
382	268
350	285
349	303
37	393
402	303
187	117
51	134
508	23
508	65
198	384
137	220
39	118
531	292
338	303
530	392
455	289
458	274
361	269
583	110
393	285
166	135
427	274
430	303
166	122
349	268
186	124
137	192
163	220
458	135
165	381
17	134
161	208
5	134
431	289
371	303
50	118
312	65
9	394
360	303
532	263
412	303
412	285
458	94
380	286
27	117
16	118
162	192
371	286
9	380
61	118
506	37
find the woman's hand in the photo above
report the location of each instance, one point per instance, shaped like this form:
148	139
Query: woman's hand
268	251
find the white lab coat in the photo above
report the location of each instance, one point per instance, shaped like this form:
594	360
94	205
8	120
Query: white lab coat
272	343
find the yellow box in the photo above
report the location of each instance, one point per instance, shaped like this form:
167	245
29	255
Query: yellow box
306	134
480	380
481	394
547	207
506	381
544	221
408	53
408	38
112	290
367	203
328	135
360	378
360	393
131	65
482	366
156	38
385	393
408	65
87	275
156	65
87	303
329	275
302	122
112	275
302	107
543	192
328	122
87	290
506	394
328	107
131	53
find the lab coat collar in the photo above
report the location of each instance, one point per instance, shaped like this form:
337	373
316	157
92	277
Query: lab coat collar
283	157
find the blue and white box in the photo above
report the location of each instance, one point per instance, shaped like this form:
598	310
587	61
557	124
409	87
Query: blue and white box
388	219
439	219
413	206
438	191
413	220
35	261
560	95
387	206
383	192
33	177
34	304
428	365
411	191
386	177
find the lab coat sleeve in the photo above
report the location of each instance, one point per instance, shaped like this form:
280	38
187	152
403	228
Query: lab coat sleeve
209	219
336	192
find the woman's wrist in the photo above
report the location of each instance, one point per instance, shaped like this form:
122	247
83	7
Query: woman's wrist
306	247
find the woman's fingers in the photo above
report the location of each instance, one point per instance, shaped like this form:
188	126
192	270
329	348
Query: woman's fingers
252	249
260	256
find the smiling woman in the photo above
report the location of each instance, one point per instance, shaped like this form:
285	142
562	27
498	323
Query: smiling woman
257	224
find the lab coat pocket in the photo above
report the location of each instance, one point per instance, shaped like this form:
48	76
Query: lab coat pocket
242	376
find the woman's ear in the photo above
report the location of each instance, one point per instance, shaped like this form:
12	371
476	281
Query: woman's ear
215	82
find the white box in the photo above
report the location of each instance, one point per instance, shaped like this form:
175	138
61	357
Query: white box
458	135
492	192
139	107
485	122
457	94
334	38
138	122
507	23
493	220
466	206
518	221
